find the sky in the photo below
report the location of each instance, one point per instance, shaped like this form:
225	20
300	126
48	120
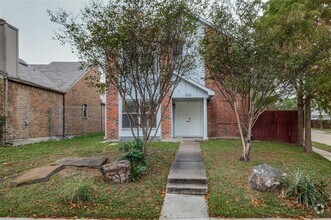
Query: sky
36	31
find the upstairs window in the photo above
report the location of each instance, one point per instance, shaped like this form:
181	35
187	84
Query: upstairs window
85	111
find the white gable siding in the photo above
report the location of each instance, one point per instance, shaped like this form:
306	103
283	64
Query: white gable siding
198	74
187	90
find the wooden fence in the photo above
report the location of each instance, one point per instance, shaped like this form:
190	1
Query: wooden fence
276	126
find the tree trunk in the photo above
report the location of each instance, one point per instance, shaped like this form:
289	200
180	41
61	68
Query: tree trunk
308	145
300	119
248	143
246	151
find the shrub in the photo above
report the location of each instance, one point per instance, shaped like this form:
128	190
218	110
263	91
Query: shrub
77	191
301	188
133	152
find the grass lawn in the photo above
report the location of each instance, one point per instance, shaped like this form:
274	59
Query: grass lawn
322	146
229	193
142	199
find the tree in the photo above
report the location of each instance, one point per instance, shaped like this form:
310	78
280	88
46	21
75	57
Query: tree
243	61
284	104
144	48
303	30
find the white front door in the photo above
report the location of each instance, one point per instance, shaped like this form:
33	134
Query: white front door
188	119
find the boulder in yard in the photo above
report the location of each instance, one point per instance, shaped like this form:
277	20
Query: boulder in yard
117	172
265	178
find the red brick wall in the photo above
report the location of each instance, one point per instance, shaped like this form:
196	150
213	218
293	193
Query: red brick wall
221	118
2	95
29	112
2	106
83	92
112	113
166	124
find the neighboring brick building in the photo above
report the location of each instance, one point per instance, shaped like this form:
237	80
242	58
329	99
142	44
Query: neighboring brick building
197	109
43	101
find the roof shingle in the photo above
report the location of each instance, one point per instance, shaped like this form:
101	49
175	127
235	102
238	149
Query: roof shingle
59	76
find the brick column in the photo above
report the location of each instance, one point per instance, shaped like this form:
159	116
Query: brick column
221	117
112	113
166	124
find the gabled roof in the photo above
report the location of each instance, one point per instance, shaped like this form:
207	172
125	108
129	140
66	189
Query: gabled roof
204	21
63	74
31	74
202	87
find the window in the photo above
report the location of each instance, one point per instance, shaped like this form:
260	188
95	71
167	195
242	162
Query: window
135	116
85	111
125	116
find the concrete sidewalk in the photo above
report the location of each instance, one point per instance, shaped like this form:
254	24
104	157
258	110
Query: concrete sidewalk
321	137
187	185
323	153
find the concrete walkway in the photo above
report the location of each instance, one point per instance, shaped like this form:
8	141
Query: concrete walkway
321	137
187	185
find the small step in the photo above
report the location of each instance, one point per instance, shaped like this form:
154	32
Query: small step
188	180
187	189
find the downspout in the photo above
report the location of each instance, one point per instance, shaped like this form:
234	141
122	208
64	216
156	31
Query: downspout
64	116
6	110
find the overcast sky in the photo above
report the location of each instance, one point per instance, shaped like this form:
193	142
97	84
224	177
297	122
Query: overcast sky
36	45
36	31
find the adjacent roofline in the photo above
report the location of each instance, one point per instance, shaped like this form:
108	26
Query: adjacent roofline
74	83
3	73
34	85
205	22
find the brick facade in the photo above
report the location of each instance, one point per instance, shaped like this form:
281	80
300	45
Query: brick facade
83	92
2	95
112	113
166	126
221	118
2	107
37	113
29	112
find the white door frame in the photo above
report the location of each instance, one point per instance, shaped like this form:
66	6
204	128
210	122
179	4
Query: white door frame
203	117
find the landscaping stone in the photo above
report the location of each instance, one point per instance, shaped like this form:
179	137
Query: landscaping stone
92	162
265	178
36	175
117	172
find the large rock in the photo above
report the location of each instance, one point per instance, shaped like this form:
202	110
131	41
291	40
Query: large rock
36	175
117	172
265	178
92	162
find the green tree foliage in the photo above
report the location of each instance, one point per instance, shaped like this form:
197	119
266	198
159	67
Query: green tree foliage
284	104
244	62
302	28
144	48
